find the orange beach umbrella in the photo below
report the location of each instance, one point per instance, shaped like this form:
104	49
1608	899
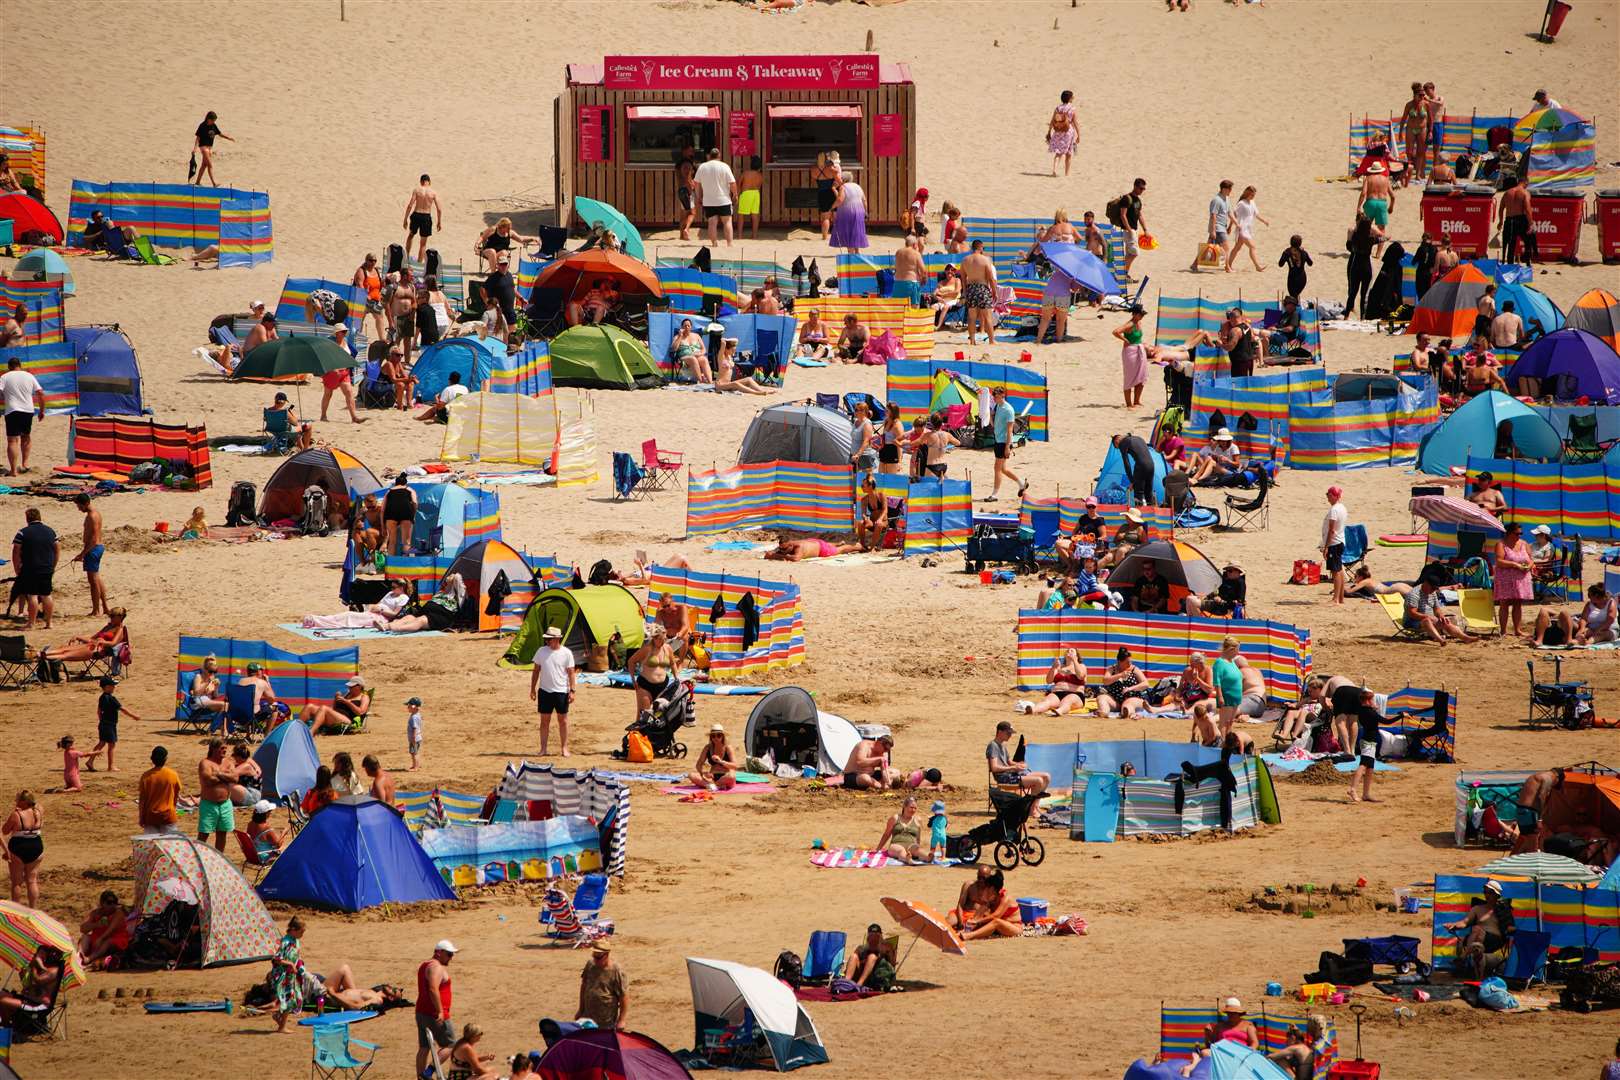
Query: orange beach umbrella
927	924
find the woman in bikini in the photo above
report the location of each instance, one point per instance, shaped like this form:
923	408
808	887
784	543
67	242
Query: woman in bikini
825	174
717	768
813	337
1196	682
103	642
687	350
496	241
726	372
1067	679
24	847
983	909
892	435
902	836
1121	692
955	233
652	667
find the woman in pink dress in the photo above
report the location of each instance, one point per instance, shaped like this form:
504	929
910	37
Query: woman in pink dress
1062	132
1512	586
1133	357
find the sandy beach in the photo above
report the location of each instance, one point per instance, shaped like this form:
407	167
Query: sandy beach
336	120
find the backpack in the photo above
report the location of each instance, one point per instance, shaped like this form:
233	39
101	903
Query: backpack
243	507
601	572
789	968
147	472
1060	121
313	521
1115	211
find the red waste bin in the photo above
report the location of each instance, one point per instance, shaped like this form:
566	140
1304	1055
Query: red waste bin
1555	218
1608	222
1462	215
1552	20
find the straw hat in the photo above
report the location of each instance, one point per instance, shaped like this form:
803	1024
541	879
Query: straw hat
1134	516
1376	168
1223	435
552	632
717	729
1493	886
1232	1005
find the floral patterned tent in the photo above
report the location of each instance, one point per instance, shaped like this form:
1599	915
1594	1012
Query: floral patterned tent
235	926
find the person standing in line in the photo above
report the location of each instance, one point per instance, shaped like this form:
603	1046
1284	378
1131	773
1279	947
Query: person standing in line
1333	524
1244	215
686	188
748	198
423	214
828	167
35	551
1062	132
849	216
1359	243
1415	125
1001	424
90	554
433	1028
24	400
718	186
203	143
1220	219
552	687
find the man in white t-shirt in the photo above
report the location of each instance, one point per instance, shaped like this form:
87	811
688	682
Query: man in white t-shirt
717	184
440	409
1333	524
24	399
552	686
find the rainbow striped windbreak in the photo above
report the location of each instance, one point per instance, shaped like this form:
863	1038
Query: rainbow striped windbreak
1572	500
1181	1034
24	145
913	326
1333	435
1565	158
1158	522
858	274
1160	645
118	444
1007	241
179	215
244	231
687	288
780	642
294	291
771	494
938	513
1179	317
1576	917
1419	703
910	386
296	679
43	299
527	371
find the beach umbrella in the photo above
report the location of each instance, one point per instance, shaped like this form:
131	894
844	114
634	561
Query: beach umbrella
1448	309
1531	305
296	354
29	215
1571	364
24	930
1598	313
1179	563
1542	869
608	216
1082	267
925	924
1544	120
1450	510
43	264
575	273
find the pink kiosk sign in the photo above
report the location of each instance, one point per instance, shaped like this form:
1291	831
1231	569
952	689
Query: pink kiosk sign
856	71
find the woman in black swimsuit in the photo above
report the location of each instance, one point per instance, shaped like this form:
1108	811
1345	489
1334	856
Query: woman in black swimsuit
399	513
889	448
203	143
825	174
500	239
24	848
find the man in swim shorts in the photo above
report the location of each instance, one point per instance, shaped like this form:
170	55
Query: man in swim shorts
421	209
979	293
90	554
909	271
1532	802
215	813
1377	197
809	548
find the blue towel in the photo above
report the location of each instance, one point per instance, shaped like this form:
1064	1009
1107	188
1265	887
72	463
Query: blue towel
804	361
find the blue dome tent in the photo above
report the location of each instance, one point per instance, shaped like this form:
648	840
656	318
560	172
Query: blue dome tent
1472	431
108	373
1530	304
288	759
354	854
474	358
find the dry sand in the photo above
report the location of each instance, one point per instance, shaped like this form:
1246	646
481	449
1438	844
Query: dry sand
336	119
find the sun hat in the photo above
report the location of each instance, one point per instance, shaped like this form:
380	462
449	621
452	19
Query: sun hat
446	945
552	632
1223	435
414	701
256	303
938	807
1134	516
1232	1005
1493	886
1376	168
264	806
717	729
602	945
1229	567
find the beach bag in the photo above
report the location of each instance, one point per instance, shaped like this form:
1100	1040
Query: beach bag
1209	256
1493	994
883	348
1474	574
789	968
601	572
1115	211
637	747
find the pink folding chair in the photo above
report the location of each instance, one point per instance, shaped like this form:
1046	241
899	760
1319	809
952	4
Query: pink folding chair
663	467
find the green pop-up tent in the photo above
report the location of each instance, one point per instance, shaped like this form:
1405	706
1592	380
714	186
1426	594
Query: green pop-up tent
602	358
586	617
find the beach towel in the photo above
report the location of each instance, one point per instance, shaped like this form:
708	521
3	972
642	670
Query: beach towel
825	995
651	777
805	361
529	478
739	789
352	633
623	680
862	859
740	545
1300	764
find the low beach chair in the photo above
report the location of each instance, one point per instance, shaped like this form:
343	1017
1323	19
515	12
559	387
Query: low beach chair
1527	962
1478	609
145	252
333	1056
279	430
824	956
663	466
18	670
252	857
1394	605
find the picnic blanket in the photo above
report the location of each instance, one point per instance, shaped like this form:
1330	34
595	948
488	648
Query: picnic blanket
825	995
1408	992
532	479
652	777
623	680
1287	764
352	633
862	859
738	789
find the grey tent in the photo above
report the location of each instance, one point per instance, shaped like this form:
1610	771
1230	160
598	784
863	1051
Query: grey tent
798	433
787	723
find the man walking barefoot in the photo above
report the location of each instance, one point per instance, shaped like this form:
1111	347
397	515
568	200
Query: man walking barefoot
423	215
90	554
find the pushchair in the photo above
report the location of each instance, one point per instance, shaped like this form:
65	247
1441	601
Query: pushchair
673	709
1008	831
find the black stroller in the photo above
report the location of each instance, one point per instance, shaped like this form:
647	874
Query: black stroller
673	709
1009	832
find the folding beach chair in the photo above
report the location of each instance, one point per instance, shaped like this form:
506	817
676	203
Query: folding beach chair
115	664
18	670
1046	523
1478	608
224	335
117	246
1394	605
1581	445
240	717
48	1020
630	481
1247	513
1527	962
333	1053
663	466
375	391
824	956
252	857
279	430
1355	544
144	252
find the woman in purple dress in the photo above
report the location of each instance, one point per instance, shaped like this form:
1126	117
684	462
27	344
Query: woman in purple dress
849	216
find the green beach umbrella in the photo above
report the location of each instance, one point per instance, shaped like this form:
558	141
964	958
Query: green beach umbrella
1542	868
607	215
297	354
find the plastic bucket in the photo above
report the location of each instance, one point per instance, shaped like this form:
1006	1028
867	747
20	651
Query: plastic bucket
986	576
1031	909
160	526
809	772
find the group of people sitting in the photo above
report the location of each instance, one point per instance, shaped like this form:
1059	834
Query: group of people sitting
690	355
1298	1058
208	700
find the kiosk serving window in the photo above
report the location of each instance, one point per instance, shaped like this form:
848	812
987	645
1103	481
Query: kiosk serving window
654	134
799	132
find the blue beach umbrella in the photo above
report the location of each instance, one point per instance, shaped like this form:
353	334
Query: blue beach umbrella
607	215
1082	267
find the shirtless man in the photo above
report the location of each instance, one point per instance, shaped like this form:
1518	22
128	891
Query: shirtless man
909	272
423	215
1416	124
1490	928
402	310
1532	803
1486	497
867	767
979	293
1092	236
874	515
1377	200
214	811
264	697
90	554
382	784
1513	219
1437	118
11	326
264	330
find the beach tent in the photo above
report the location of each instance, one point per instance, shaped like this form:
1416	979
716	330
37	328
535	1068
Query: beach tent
354	854
1448	309
234	926
600	1054
473	358
787	722
586	617
1530	304
44	264
108	372
1227	1060
1598	313
29	215
573	273
722	991
449	516
572	793
1113	487
1571	364
1472	431
480	565
951	388
288	759
343	475
797	433
602	358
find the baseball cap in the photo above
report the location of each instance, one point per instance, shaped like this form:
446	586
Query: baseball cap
1091	500
1005	725
355	680
264	806
256	304
938	807
108	680
504	259
414	701
255	666
1541	530
446	946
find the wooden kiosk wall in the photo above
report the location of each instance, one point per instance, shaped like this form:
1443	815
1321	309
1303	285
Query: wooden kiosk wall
646	193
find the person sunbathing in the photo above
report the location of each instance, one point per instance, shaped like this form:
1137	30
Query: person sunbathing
1196	683
725	373
1183	353
348	705
439	612
1123	683
874	515
687	352
983	908
809	548
103	642
1490	927
1066	680
1297	720
1363	584
902	835
1220	458
717	768
375	616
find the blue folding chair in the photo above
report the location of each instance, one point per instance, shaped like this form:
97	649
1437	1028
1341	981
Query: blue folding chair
590	896
1527	962
1355	543
824	956
1046	523
240	716
333	1056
